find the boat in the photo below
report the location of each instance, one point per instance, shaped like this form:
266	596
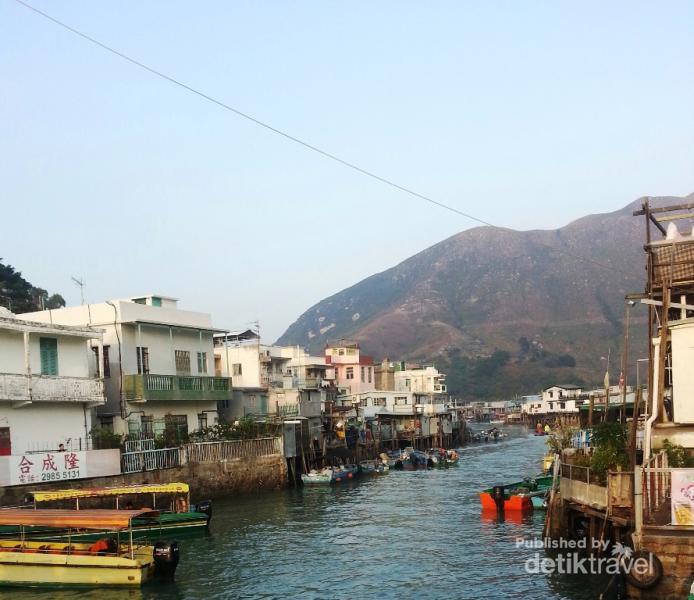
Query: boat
114	560
330	475
373	467
180	516
442	458
519	495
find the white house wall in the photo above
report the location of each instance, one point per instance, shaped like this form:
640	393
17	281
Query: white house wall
44	425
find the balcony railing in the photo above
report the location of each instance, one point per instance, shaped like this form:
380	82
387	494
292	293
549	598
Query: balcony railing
43	388
141	388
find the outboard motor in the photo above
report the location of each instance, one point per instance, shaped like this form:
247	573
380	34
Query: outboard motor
165	559
205	506
499	494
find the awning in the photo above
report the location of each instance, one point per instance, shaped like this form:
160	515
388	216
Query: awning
111	520
154	488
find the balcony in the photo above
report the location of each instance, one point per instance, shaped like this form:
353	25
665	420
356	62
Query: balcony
143	388
43	388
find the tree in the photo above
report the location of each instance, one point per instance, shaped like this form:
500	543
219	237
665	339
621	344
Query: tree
19	296
55	301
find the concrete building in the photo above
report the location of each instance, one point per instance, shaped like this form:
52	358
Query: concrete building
354	372
158	364
49	385
273	381
560	399
426	380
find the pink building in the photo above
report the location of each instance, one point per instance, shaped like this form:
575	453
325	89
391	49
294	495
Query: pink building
354	372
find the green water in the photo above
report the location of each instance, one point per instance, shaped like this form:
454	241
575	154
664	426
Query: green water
400	535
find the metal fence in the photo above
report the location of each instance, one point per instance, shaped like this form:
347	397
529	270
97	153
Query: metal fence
150	460
219	451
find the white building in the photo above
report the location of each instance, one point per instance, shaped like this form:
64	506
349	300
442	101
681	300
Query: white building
426	380
559	399
158	364
49	385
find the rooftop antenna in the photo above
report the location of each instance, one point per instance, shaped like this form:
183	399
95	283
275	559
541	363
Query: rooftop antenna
80	284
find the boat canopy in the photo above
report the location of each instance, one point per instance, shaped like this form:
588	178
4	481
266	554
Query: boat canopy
71	494
112	520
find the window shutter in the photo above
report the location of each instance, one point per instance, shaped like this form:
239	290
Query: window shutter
49	356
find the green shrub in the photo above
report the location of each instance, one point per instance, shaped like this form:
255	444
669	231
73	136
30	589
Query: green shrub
677	456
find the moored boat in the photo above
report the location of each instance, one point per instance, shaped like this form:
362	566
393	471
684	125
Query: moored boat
516	496
115	560
373	467
179	516
330	475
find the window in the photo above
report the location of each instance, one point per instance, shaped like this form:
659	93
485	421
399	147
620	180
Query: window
146	422
400	400
341	352
202	362
370	369
177	425
407	384
349	373
49	356
107	362
379	401
562	405
182	362
106	423
363	375
202	421
236	369
140	300
142	360
156	301
551	394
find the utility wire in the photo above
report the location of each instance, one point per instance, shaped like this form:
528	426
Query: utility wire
288	136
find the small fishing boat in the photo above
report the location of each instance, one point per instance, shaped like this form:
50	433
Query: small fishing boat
179	516
115	560
373	467
442	458
317	477
517	496
330	475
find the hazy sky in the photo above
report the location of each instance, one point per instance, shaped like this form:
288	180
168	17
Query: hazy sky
526	114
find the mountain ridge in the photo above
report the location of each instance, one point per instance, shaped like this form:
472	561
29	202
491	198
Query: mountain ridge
481	290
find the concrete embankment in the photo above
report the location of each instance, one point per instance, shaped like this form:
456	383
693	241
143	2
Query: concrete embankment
206	479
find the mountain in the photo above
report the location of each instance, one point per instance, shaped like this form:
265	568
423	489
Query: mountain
501	311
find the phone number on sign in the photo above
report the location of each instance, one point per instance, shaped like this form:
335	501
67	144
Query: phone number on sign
56	475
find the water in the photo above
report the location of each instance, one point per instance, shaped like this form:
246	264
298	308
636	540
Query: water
400	535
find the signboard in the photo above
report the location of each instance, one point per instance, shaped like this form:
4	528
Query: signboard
44	467
32	468
682	496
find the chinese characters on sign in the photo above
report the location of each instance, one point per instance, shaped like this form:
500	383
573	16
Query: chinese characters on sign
46	466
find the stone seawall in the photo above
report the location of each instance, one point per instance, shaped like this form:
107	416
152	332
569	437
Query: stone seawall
206	480
675	549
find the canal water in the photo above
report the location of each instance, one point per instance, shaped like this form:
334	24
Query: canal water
399	535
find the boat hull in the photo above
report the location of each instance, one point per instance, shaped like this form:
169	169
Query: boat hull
514	503
35	567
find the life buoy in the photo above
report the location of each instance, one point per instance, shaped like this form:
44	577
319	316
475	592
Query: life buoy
643	581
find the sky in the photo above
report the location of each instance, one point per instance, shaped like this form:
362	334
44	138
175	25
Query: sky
527	115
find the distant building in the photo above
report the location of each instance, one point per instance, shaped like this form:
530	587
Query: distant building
426	380
384	375
354	372
158	364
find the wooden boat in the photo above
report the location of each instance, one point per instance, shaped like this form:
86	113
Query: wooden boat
180	517
519	495
330	475
373	467
112	561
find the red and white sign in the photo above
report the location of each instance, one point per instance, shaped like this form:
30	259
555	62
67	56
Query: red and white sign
46	466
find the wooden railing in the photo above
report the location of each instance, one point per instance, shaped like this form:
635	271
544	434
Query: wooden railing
226	450
656	485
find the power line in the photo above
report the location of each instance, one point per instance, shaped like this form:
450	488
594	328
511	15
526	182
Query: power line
286	135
